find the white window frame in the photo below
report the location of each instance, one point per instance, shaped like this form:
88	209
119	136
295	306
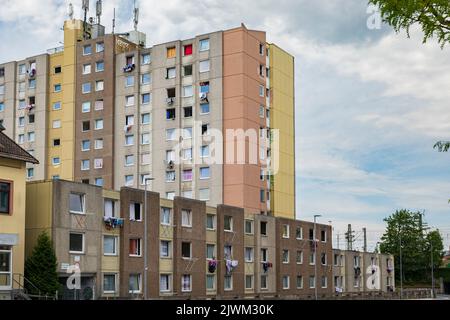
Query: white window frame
188	214
115	253
83	244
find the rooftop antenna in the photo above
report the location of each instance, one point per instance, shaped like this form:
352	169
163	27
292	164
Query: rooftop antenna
70	11
98	10
85	7
136	16
114	21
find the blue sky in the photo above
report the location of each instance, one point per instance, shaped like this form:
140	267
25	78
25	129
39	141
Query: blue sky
370	103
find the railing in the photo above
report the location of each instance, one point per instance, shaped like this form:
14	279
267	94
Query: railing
55	50
21	288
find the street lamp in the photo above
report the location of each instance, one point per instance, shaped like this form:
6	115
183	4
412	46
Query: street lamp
145	238
315	255
401	265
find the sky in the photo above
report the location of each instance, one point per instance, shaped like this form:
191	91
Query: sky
370	103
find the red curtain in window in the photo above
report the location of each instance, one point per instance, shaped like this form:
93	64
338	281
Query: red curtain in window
133	246
188	50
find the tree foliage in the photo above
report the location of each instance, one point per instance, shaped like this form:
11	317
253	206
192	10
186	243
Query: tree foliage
405	229
41	268
442	146
433	16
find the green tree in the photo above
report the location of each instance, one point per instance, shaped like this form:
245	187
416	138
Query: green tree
41	267
435	247
433	16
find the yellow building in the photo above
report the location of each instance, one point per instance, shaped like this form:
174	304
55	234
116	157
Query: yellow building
61	104
282	118
12	214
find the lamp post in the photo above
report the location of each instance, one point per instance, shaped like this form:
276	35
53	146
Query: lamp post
432	269
145	238
315	255
401	266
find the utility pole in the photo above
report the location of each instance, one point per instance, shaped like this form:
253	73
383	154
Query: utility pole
432	269
401	266
315	255
365	240
145	239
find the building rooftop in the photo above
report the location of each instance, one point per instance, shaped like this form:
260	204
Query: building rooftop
11	150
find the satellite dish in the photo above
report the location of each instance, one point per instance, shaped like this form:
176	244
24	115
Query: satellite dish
70	11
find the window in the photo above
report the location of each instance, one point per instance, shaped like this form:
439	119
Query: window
129	101
57	88
264	255
186	250
204	151
187	70
98	163
204	66
204	108
210	282
32	84
187	49
109	283
99	66
263	228
205	129
165	249
170	176
110	245
286	282
323	235
261	91
299	258
324	282
5	197
187	175
2	89
285	256
86	87
186	218
129	180
56	161
145	118
56	142
356	261
186	282
21	138
264	284
323	259
76	242
311	234
134	284
262	194
261	111
170	114
248	282
228	282
129	160
99	47
210	222
248	254
129	81
86	107
204	87
145	58
228	223
146	78
87	68
2	106
129	140
204	194
30	173
312	259
76	203
204	45
248	227
146	98
261	49
56	124
21	121
210	251
262	70
171	73
205	173
286	231
99	85
170	134
135	247
22	104
129	120
187	133
98	144
57	106
2	72
145	138
170	195
312	282
188	91
165	216
98	182
299	233
171	93
22	69
130	62
171	52
299	282
98	124
164	282
58	69
87	49
135	211
109	208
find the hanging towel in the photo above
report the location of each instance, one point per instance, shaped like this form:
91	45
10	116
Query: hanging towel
234	263
228	266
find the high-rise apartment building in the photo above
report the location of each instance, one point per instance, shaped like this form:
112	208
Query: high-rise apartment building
209	118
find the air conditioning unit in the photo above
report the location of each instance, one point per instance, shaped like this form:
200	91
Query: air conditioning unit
203	96
170	100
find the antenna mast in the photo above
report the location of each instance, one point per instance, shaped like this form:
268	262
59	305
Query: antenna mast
114	21
98	9
136	16
70	11
85	8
